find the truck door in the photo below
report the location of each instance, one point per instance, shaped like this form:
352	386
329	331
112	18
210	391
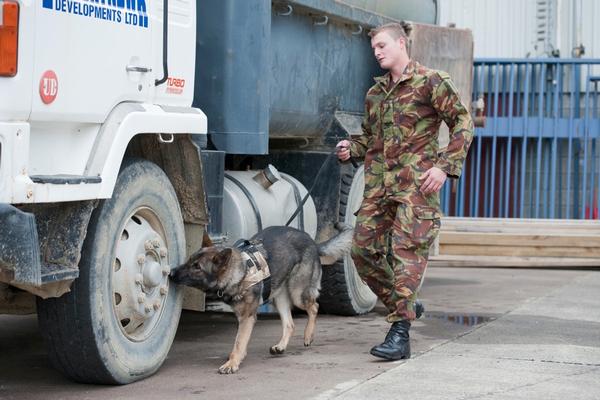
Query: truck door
89	56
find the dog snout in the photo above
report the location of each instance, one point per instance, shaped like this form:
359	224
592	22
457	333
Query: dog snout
187	275
177	274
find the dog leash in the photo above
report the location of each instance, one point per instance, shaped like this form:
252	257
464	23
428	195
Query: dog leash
301	205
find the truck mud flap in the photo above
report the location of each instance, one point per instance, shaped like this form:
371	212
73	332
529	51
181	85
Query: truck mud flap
19	247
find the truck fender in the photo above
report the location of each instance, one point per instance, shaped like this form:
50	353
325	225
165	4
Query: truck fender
128	120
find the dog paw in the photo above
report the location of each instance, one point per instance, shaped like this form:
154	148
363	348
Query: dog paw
276	350
228	368
308	339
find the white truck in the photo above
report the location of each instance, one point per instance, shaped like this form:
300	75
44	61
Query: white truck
109	167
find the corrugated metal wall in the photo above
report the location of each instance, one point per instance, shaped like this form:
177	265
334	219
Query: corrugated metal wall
499	26
510	28
590	29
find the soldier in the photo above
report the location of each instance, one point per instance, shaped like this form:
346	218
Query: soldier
404	172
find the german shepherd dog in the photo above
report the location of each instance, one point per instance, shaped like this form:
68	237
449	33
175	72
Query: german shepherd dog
294	261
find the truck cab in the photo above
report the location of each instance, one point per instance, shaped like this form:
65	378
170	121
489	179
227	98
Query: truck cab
95	139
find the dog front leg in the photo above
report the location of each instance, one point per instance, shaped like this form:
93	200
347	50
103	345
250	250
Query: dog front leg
240	347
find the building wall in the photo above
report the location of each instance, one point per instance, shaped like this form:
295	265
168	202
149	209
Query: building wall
590	29
509	28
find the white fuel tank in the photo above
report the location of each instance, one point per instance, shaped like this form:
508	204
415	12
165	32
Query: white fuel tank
249	207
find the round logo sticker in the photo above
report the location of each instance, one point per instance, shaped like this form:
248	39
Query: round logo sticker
48	87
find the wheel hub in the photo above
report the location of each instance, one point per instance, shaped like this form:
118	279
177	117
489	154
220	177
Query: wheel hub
140	278
152	274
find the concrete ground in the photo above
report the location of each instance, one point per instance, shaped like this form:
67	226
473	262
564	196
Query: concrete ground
487	333
546	348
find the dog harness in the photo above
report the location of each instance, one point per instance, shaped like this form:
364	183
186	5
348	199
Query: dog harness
257	268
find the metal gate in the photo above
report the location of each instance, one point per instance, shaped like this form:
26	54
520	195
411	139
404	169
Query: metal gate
538	155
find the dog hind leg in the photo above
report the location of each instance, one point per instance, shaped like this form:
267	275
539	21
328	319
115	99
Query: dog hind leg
305	297
283	305
240	347
307	300
312	309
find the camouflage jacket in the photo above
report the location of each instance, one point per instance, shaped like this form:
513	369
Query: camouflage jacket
400	134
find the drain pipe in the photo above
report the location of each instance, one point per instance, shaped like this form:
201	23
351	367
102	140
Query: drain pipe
578	48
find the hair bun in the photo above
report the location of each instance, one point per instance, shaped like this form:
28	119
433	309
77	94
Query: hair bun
407	26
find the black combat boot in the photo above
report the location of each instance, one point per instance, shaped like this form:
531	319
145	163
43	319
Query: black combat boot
396	345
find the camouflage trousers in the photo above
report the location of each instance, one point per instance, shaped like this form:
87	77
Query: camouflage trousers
390	250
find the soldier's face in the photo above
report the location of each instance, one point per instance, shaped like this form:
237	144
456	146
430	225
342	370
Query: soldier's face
388	51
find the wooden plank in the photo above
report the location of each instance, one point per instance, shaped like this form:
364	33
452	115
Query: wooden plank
516	230
505	242
548	229
519	221
522	262
509	239
528	251
501	227
536	222
532	232
594	225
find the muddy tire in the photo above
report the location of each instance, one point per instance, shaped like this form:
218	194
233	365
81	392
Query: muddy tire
342	290
119	320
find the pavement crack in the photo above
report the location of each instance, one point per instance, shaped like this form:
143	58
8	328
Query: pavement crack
526	385
571	363
576	363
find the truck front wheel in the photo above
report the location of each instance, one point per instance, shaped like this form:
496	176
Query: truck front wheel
119	320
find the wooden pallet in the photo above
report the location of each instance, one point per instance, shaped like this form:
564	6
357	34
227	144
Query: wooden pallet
487	242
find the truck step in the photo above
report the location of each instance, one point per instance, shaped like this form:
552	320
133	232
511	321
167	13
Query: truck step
65	179
53	273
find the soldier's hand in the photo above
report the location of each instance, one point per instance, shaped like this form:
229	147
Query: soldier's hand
343	150
433	180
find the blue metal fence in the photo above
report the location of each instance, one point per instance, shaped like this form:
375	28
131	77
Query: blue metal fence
538	155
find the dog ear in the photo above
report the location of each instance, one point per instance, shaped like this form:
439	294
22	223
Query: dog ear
222	258
192	260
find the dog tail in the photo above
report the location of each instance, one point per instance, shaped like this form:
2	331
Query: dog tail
339	245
